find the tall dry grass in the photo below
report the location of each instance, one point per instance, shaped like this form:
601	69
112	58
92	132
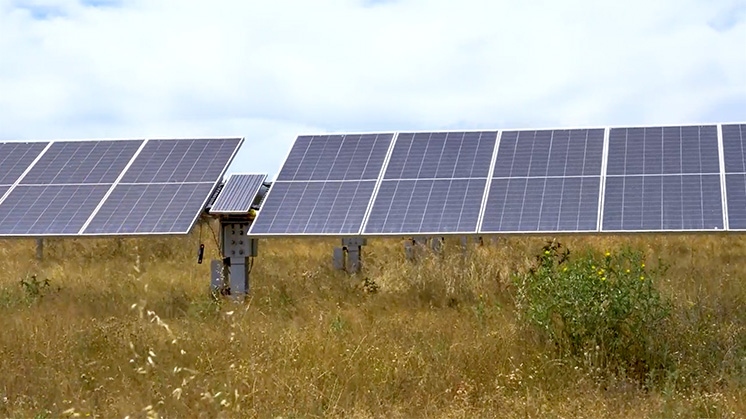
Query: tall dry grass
125	327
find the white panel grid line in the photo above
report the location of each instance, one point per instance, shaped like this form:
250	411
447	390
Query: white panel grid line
488	183
723	189
602	180
379	181
111	189
25	172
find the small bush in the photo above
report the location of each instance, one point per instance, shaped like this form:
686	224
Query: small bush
601	310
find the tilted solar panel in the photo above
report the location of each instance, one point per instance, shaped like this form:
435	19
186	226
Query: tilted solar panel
49	210
434	183
734	150
58	194
663	178
63	188
239	194
15	158
545	181
324	186
165	188
151	208
73	162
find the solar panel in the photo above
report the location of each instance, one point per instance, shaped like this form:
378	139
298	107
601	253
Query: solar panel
165	188
52	209
239	194
434	183
73	162
734	150
58	194
108	186
663	178
545	181
159	208
324	186
15	158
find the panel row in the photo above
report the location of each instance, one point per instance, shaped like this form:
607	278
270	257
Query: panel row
108	187
570	180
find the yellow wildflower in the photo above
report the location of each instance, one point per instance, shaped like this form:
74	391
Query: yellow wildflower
608	254
603	278
642	278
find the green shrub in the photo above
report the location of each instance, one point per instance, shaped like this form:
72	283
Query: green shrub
601	310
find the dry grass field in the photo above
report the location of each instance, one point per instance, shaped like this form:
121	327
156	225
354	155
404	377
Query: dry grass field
126	328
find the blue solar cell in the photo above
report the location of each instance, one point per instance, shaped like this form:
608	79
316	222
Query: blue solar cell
734	148
736	189
3	189
198	160
333	207
49	210
426	206
336	157
663	150
574	152
68	162
669	202
542	204
239	194
441	155
165	208
734	151
15	158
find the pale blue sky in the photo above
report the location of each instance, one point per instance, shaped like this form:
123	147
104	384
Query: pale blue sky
270	70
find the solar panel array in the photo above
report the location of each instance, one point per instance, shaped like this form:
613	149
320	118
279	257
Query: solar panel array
636	179
108	187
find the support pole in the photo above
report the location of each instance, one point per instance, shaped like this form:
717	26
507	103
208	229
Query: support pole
39	249
349	256
239	277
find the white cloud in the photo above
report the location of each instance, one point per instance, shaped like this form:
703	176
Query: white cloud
272	70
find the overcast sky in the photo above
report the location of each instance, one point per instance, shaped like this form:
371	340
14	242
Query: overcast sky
270	70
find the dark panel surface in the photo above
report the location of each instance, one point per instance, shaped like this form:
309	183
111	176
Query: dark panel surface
426	206
15	158
734	149
198	160
736	187
238	194
441	155
550	153
314	208
49	210
663	150
434	183
546	180
336	157
68	162
542	204
159	208
673	202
